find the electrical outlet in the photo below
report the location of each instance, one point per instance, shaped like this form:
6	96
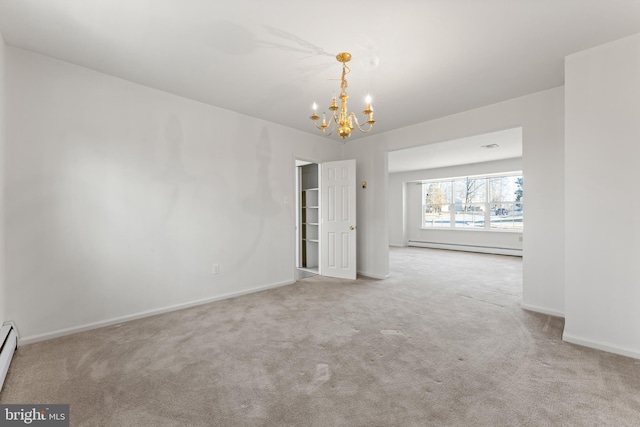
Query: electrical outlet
215	269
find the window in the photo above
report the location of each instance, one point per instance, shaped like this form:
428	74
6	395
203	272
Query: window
493	202
438	201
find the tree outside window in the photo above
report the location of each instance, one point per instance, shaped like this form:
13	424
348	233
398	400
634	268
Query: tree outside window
484	203
437	199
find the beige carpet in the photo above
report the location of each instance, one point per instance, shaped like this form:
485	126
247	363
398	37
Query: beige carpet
443	342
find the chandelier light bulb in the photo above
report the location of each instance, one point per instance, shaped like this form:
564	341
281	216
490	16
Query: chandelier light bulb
315	116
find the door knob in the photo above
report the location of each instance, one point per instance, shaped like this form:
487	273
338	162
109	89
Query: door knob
353	227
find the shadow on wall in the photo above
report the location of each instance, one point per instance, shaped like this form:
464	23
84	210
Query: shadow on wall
174	172
226	222
261	203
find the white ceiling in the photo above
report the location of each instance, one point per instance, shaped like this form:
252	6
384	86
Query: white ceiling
272	59
459	152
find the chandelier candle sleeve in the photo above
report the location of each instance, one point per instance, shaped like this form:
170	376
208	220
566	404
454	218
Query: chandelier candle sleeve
341	119
368	110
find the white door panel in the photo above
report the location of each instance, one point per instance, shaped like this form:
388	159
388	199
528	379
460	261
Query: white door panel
338	201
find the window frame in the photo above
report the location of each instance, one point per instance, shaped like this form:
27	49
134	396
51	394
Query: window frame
463	214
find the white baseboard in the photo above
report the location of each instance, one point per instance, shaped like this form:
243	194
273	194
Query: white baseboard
115	320
542	310
610	348
467	248
373	276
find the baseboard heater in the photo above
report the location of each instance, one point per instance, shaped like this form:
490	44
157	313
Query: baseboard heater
9	340
467	248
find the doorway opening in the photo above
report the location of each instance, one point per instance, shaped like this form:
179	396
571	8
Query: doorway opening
307	219
464	194
326	219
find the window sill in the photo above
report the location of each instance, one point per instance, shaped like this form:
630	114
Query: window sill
475	230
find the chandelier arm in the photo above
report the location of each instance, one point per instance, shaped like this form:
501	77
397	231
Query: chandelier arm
369	129
331	121
361	126
324	130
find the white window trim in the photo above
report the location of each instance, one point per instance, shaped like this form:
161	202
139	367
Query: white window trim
487	205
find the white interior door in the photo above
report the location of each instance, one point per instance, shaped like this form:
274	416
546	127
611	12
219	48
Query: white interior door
338	215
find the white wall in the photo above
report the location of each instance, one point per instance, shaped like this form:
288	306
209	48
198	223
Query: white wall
541	115
602	231
405	183
120	198
2	174
372	224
